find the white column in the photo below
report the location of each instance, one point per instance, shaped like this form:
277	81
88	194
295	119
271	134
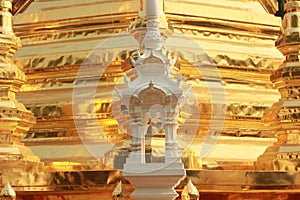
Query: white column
135	155
153	9
171	147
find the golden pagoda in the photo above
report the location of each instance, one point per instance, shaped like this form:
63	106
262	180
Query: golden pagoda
55	45
75	54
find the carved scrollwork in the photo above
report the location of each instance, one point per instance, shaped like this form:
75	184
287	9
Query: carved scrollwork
154	23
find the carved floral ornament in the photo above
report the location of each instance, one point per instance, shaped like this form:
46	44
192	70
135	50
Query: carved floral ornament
153	23
151	95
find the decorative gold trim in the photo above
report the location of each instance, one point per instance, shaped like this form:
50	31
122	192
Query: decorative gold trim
269	5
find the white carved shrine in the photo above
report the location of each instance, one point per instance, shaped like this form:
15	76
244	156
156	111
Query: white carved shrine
153	101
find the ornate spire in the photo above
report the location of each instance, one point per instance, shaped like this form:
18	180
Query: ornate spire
153	40
15	119
150	15
9	71
284	116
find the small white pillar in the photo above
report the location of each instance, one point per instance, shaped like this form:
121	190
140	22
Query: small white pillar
136	154
171	152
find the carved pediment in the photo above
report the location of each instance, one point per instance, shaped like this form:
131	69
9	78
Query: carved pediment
152	95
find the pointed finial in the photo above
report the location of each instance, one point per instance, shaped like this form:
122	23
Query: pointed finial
190	192
6	20
153	40
119	93
184	96
151	84
6	5
179	79
120	192
126	80
133	62
8	192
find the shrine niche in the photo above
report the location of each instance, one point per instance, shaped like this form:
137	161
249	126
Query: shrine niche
152	95
150	103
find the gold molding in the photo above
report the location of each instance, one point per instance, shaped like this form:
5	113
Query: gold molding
19	6
269	5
